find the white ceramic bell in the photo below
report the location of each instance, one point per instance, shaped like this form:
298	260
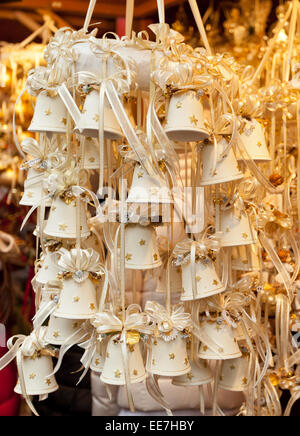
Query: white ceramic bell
236	230
175	280
141	250
91	159
36	372
77	300
33	188
60	329
253	139
97	363
221	337
89	121
146	189
50	115
48	294
200	374
62	220
234	374
168	359
207	281
227	169
245	258
185	119
113	371
49	269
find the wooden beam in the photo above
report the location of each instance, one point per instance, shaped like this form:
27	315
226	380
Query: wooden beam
27	21
7	15
149	7
61	22
77	22
103	9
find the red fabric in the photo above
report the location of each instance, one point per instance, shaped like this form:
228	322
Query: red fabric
10	407
28	312
9	401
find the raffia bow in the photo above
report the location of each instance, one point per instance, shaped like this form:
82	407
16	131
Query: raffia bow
248	107
165	37
135	322
80	265
205	249
168	323
44	155
60	53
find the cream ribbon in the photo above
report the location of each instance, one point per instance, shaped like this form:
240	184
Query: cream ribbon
135	321
81	264
21	347
178	319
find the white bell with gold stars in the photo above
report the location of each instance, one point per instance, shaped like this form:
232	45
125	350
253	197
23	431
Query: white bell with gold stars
89	121
91	160
60	329
114	370
206	280
49	293
235	374
246	258
49	268
50	115
62	219
220	342
146	189
36	374
236	229
98	360
185	118
35	365
252	139
33	188
141	249
168	358
78	298
226	168
200	374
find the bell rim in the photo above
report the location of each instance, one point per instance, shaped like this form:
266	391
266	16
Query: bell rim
202	133
206	356
33	392
46	129
239	176
91	131
193	383
63	235
96	370
116	383
208	294
170	373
